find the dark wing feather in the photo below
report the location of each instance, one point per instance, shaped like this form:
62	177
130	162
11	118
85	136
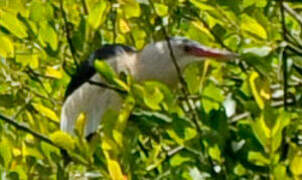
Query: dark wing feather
86	69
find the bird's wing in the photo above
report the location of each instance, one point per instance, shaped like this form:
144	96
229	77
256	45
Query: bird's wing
90	99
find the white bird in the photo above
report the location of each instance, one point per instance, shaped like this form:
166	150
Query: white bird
154	62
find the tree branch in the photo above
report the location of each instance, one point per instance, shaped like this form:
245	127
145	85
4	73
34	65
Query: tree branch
25	128
292	12
85	7
68	35
107	86
284	56
184	86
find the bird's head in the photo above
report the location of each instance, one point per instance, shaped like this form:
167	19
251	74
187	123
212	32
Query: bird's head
185	51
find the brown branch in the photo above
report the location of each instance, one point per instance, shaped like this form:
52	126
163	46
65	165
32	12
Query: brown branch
85	7
107	86
284	56
184	86
25	128
68	35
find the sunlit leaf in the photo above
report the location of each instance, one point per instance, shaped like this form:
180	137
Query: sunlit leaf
52	72
161	9
13	24
46	111
63	140
258	159
97	14
295	165
6	47
251	25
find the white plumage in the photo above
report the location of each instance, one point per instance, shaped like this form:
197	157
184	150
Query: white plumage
152	63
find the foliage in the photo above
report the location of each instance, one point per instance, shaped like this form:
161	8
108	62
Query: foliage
247	131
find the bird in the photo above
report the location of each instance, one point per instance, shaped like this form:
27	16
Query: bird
153	62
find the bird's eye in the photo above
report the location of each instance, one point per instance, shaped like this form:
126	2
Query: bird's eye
186	48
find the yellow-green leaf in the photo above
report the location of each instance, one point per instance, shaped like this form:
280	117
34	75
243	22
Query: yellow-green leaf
52	72
63	140
123	26
31	60
6	47
46	111
97	15
255	91
12	24
47	35
161	9
250	25
131	8
105	70
296	165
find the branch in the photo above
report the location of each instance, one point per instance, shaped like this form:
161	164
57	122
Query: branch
68	36
107	86
85	7
25	128
184	86
292	12
284	56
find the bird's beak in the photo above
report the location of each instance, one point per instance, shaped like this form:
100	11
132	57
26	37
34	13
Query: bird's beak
201	51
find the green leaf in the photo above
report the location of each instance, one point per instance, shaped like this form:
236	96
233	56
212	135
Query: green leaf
250	25
295	165
46	111
47	35
131	8
215	153
212	98
161	9
153	97
202	5
6	152
179	159
255	91
105	70
97	15
31	60
239	170
258	159
63	140
12	24
6	47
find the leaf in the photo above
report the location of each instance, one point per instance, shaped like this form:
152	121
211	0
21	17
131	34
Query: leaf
63	140
52	72
250	25
295	165
131	8
80	125
179	159
124	26
239	170
202	5
6	47
12	24
215	153
114	168
258	159
45	111
97	15
28	60
153	97
213	97
254	89
161	9
105	70
47	35
6	152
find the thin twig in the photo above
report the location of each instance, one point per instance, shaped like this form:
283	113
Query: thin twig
85	7
68	35
284	56
184	85
25	128
292	12
107	86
